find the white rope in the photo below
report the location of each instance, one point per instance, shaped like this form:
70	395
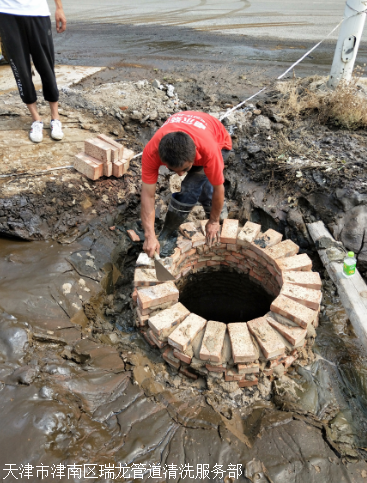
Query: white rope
282	75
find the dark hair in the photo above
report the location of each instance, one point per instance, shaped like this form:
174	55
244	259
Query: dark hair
176	148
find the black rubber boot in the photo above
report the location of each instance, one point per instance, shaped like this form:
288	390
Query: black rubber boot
176	215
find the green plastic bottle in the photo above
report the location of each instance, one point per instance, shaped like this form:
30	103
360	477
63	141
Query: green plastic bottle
349	266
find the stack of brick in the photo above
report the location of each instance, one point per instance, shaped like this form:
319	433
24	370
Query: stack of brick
237	351
103	156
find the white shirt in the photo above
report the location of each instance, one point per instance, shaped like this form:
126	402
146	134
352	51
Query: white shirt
25	7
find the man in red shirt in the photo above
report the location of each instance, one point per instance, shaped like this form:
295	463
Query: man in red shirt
193	143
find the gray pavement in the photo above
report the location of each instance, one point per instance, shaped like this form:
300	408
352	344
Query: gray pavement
287	19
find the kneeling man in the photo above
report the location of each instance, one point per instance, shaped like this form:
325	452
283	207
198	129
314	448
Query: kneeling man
193	143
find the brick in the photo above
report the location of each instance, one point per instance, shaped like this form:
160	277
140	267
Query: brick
165	321
107	169
90	167
276	362
306	296
185	333
190	231
186	372
133	236
145	277
247	383
127	154
286	248
248	233
113	143
183	357
212	368
212	344
134	295
303	316
268	239
157	295
252	368
289	361
144	260
99	149
184	245
229	231
243	349
266	337
148	339
119	168
303	279
294	335
298	262
143	319
170	359
159	343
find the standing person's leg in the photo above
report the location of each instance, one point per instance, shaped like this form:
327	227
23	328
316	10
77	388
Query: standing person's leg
13	31
43	55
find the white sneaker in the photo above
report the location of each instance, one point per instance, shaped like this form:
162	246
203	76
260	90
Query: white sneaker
56	130
36	132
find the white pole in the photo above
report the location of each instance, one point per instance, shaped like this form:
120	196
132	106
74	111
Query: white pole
348	42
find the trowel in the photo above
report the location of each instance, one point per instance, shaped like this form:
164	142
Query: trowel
161	272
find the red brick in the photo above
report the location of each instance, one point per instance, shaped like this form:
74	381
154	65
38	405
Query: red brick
283	249
113	143
185	333
186	372
212	344
99	149
289	361
107	169
127	154
268	239
303	279
247	383
160	344
148	339
133	236
165	321
298	313
134	295
294	335
157	295
248	233
218	368
229	231
183	357
251	368
306	296
145	277
119	168
267	338
298	263
190	231
170	359
90	167
243	349
143	319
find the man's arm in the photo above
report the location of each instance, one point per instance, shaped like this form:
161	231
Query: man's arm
151	244
212	227
60	17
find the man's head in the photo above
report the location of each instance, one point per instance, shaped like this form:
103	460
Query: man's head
177	151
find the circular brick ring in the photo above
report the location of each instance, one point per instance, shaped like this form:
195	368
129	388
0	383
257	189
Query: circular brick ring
239	351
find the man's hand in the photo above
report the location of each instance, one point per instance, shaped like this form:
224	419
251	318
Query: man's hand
151	245
60	20
212	232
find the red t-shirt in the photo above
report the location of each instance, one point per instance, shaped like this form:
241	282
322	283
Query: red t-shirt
209	136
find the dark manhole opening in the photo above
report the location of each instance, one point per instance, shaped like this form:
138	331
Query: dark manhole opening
224	296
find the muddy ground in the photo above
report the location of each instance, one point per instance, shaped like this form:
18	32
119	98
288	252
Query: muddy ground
78	384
